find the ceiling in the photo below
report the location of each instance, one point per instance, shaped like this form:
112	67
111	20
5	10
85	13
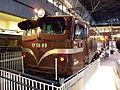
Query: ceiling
104	12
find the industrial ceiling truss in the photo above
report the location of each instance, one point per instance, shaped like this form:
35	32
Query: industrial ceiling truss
103	11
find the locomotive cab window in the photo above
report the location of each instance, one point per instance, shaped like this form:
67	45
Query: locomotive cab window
80	32
52	25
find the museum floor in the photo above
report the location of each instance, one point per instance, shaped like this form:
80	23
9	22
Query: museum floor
106	77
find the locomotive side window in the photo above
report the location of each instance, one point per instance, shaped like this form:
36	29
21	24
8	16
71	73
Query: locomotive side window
52	26
79	32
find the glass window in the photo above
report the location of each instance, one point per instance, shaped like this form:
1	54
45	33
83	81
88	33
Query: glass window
79	32
2	42
52	25
12	42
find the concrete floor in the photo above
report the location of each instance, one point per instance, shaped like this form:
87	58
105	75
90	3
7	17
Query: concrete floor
105	78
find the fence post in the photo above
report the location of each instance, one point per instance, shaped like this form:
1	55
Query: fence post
22	65
55	68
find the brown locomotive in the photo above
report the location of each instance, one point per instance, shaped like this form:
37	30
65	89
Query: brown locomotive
64	38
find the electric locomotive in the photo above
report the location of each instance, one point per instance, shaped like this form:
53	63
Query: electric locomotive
62	38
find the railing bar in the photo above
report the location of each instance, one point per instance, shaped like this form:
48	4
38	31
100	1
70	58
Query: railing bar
52	87
9	82
2	83
14	82
17	81
20	82
29	83
40	85
48	87
43	86
4	80
36	84
33	84
26	83
23	83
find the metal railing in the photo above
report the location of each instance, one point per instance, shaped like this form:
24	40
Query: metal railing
11	60
12	76
13	80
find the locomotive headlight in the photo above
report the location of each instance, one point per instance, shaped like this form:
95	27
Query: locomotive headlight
62	59
41	13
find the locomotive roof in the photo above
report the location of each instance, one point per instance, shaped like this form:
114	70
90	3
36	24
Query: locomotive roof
24	25
64	16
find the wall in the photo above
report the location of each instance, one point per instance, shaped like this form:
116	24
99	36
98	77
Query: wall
3	24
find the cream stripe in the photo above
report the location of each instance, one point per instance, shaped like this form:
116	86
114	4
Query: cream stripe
53	51
60	51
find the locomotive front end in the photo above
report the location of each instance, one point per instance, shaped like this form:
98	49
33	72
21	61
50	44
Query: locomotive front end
45	40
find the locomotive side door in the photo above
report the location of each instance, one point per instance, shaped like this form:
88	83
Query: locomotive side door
79	41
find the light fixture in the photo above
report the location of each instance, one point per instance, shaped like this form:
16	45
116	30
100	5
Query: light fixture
41	13
36	10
